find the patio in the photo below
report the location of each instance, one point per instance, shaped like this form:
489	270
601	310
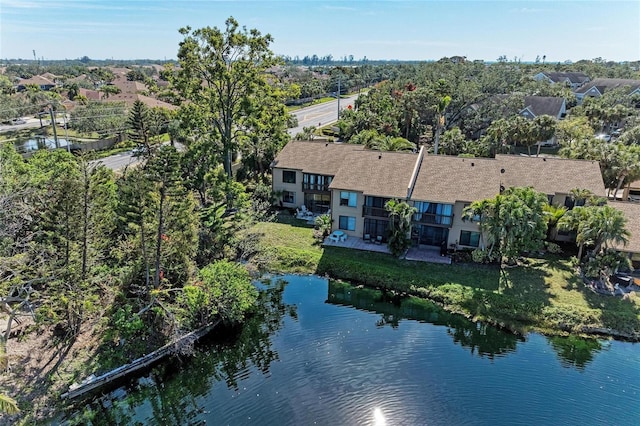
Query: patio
418	253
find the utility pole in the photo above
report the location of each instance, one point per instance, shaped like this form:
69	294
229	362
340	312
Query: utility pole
53	126
66	134
338	98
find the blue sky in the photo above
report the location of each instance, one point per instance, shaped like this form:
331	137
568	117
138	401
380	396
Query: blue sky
404	30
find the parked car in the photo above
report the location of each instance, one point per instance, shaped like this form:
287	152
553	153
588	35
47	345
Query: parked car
18	121
604	137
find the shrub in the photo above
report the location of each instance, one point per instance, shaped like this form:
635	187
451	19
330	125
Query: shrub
480	256
553	248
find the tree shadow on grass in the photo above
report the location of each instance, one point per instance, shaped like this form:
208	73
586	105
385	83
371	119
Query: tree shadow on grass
526	283
385	271
284	216
616	313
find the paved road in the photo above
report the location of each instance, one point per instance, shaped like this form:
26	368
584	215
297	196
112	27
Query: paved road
325	113
119	161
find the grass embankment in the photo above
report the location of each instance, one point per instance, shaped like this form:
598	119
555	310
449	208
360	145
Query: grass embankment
544	295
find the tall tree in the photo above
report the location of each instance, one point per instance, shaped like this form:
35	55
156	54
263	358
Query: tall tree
139	125
400	214
221	72
513	221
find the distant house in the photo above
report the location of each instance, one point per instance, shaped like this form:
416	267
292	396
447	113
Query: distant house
571	79
599	86
40	81
130	98
353	184
130	87
544	105
92	95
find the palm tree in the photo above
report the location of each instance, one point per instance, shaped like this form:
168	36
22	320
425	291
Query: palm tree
596	225
580	195
395	144
484	211
8	405
440	110
609	228
400	214
553	215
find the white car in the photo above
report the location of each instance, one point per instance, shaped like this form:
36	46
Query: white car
604	137
18	121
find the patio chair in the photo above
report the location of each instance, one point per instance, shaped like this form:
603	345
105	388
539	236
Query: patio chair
367	238
378	239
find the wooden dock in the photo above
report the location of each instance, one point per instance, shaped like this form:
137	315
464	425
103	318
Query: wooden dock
94	382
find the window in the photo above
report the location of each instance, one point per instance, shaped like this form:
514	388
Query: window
348	223
440	214
289	197
375	227
312	182
469	238
288	176
348	198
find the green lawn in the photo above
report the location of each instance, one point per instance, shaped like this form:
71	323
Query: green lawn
543	295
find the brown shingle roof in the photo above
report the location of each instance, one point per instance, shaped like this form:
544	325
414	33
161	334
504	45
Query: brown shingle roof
377	173
314	157
632	213
550	175
38	80
449	179
127	86
130	98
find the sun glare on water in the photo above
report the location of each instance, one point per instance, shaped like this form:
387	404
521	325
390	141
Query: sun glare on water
378	417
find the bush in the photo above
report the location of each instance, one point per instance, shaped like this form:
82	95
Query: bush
553	248
480	256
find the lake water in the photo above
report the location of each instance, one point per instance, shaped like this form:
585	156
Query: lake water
324	353
39	143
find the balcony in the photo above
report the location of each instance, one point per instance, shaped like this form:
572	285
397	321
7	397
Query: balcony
315	187
374	211
433	219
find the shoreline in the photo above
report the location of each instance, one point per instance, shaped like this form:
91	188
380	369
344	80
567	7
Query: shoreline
544	295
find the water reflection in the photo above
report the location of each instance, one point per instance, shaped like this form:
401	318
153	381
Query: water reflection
575	351
479	338
39	142
171	393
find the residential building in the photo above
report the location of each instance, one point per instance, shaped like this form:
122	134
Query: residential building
571	79
599	86
354	184
43	83
535	106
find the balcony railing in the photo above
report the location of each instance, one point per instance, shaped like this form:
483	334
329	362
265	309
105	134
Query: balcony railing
315	187
432	218
374	211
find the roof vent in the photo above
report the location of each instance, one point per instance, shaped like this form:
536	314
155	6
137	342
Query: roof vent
326	144
473	164
544	159
502	170
379	156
